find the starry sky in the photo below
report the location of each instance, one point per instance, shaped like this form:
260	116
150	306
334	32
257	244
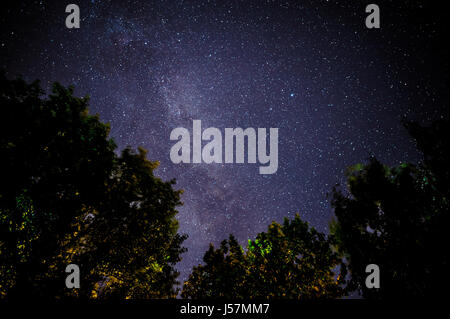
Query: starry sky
336	90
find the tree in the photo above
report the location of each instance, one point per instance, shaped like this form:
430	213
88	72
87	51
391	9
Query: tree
67	197
291	261
396	217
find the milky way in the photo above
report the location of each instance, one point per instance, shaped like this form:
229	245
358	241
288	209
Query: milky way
336	90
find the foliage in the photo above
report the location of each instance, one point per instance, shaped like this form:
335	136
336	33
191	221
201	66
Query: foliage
396	217
67	197
291	261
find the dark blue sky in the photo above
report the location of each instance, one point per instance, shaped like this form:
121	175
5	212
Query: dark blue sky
336	90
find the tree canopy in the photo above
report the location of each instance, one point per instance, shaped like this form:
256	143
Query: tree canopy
67	197
289	261
396	217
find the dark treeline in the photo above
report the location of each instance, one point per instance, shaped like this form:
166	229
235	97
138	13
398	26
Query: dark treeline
66	197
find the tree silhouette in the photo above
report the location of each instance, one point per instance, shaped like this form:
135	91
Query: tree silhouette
67	197
291	261
396	217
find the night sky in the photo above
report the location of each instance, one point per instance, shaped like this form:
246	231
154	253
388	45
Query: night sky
336	90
